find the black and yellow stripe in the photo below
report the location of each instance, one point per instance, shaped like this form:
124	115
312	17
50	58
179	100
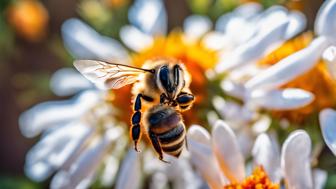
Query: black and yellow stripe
172	141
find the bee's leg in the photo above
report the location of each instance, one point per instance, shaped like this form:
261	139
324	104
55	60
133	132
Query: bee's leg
136	118
163	98
157	146
185	100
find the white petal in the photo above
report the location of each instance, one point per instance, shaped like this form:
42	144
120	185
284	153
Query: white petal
297	23
158	181
110	171
265	154
262	124
196	26
202	157
328	127
149	16
129	173
275	9
84	168
212	117
289	68
320	178
247	10
83	42
270	34
325	23
227	152
244	11
232	111
217	41
245	138
67	81
182	175
295	160
247	29
55	149
285	99
233	89
50	114
222	21
135	39
329	57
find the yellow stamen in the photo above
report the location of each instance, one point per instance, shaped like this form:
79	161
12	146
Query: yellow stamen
258	180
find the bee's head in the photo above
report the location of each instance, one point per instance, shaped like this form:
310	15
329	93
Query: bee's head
170	80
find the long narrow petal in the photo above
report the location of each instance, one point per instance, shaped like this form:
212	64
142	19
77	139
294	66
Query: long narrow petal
202	157
265	154
248	10
135	39
289	68
227	152
84	168
328	127
129	174
329	57
110	171
182	175
56	113
325	24
233	89
231	111
83	42
195	26
297	24
320	178
149	16
258	45
285	99
55	149
67	81
295	160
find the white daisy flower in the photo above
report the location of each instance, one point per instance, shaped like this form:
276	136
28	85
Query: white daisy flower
219	159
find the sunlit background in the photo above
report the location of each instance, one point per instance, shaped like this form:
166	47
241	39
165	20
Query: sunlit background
31	50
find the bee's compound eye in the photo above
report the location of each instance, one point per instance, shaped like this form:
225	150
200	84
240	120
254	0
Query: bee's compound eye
164	79
176	74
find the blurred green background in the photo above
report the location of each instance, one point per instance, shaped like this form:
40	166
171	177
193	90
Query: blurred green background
31	49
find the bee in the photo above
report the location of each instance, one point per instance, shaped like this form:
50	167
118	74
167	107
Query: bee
160	93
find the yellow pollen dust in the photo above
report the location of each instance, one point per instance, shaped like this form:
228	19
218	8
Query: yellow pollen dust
194	55
317	80
258	180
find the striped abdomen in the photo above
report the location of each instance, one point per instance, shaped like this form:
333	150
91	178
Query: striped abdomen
167	125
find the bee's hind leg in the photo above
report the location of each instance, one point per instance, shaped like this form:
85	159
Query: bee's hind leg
157	146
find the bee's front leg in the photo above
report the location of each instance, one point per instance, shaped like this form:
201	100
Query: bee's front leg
136	118
163	98
185	100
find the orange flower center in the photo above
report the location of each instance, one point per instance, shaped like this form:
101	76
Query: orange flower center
258	180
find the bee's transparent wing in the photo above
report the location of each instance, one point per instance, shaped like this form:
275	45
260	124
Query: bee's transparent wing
108	75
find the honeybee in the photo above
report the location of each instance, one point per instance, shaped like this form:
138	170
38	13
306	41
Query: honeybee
160	93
